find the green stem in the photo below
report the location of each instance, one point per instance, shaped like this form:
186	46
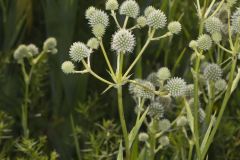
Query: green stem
209	108
75	138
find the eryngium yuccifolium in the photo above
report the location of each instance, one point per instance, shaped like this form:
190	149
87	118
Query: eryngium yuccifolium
148	11
99	17
174	27
212	72
142	21
89	12
129	8
176	87
78	51
143	137
156	110
68	67
98	30
202	115
123	41
21	52
157	19
216	37
193	44
163	73
164	124
164	141
143	91
50	44
231	3
204	42
33	49
153	78
213	24
220	85
111	5
93	43
190	91
182	121
236	21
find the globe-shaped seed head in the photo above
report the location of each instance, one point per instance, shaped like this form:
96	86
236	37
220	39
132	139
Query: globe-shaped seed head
163	74
143	137
111	5
93	43
176	87
189	91
182	121
213	72
204	42
193	44
216	37
220	85
98	30
236	21
148	11
164	125
129	8
213	24
21	52
68	67
79	51
33	49
123	41
157	19
174	27
99	17
142	21
89	12
50	44
164	141
156	110
153	78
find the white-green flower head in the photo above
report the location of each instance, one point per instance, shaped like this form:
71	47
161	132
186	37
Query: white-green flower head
213	24
164	141
89	12
129	8
153	78
99	17
156	110
236	21
193	44
142	21
202	115
33	49
111	5
93	43
98	30
163	73
216	37
182	121
231	3
123	41
220	85
148	11
190	90
21	52
68	67
176	87
164	125
204	42
213	72
50	44
174	27
79	51
143	137
157	19
143	91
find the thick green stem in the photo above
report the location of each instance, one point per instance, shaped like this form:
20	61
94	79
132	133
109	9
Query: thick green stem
209	108
25	111
77	147
152	146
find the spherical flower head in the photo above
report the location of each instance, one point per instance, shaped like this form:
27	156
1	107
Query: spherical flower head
213	24
231	3
204	42
130	8
98	30
182	121
21	52
157	19
50	44
156	110
213	72
190	91
174	27
143	137
99	17
68	67
79	51
148	11
164	141
89	12
193	44
236	21
123	41
153	78
164	125
176	87
93	43
111	5
142	21
163	73
33	49
216	37
220	85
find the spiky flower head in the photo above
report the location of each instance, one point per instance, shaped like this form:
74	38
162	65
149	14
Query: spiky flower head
21	52
164	141
130	8
216	37
142	21
204	42
93	43
68	67
182	121
156	110
157	19
98	30
148	11
190	90
174	27
78	51
143	91
193	44
163	73
176	87
220	85
143	137
33	49
153	78
231	3
213	24
99	17
164	124
236	21
123	41
50	45
111	5
213	72
89	12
